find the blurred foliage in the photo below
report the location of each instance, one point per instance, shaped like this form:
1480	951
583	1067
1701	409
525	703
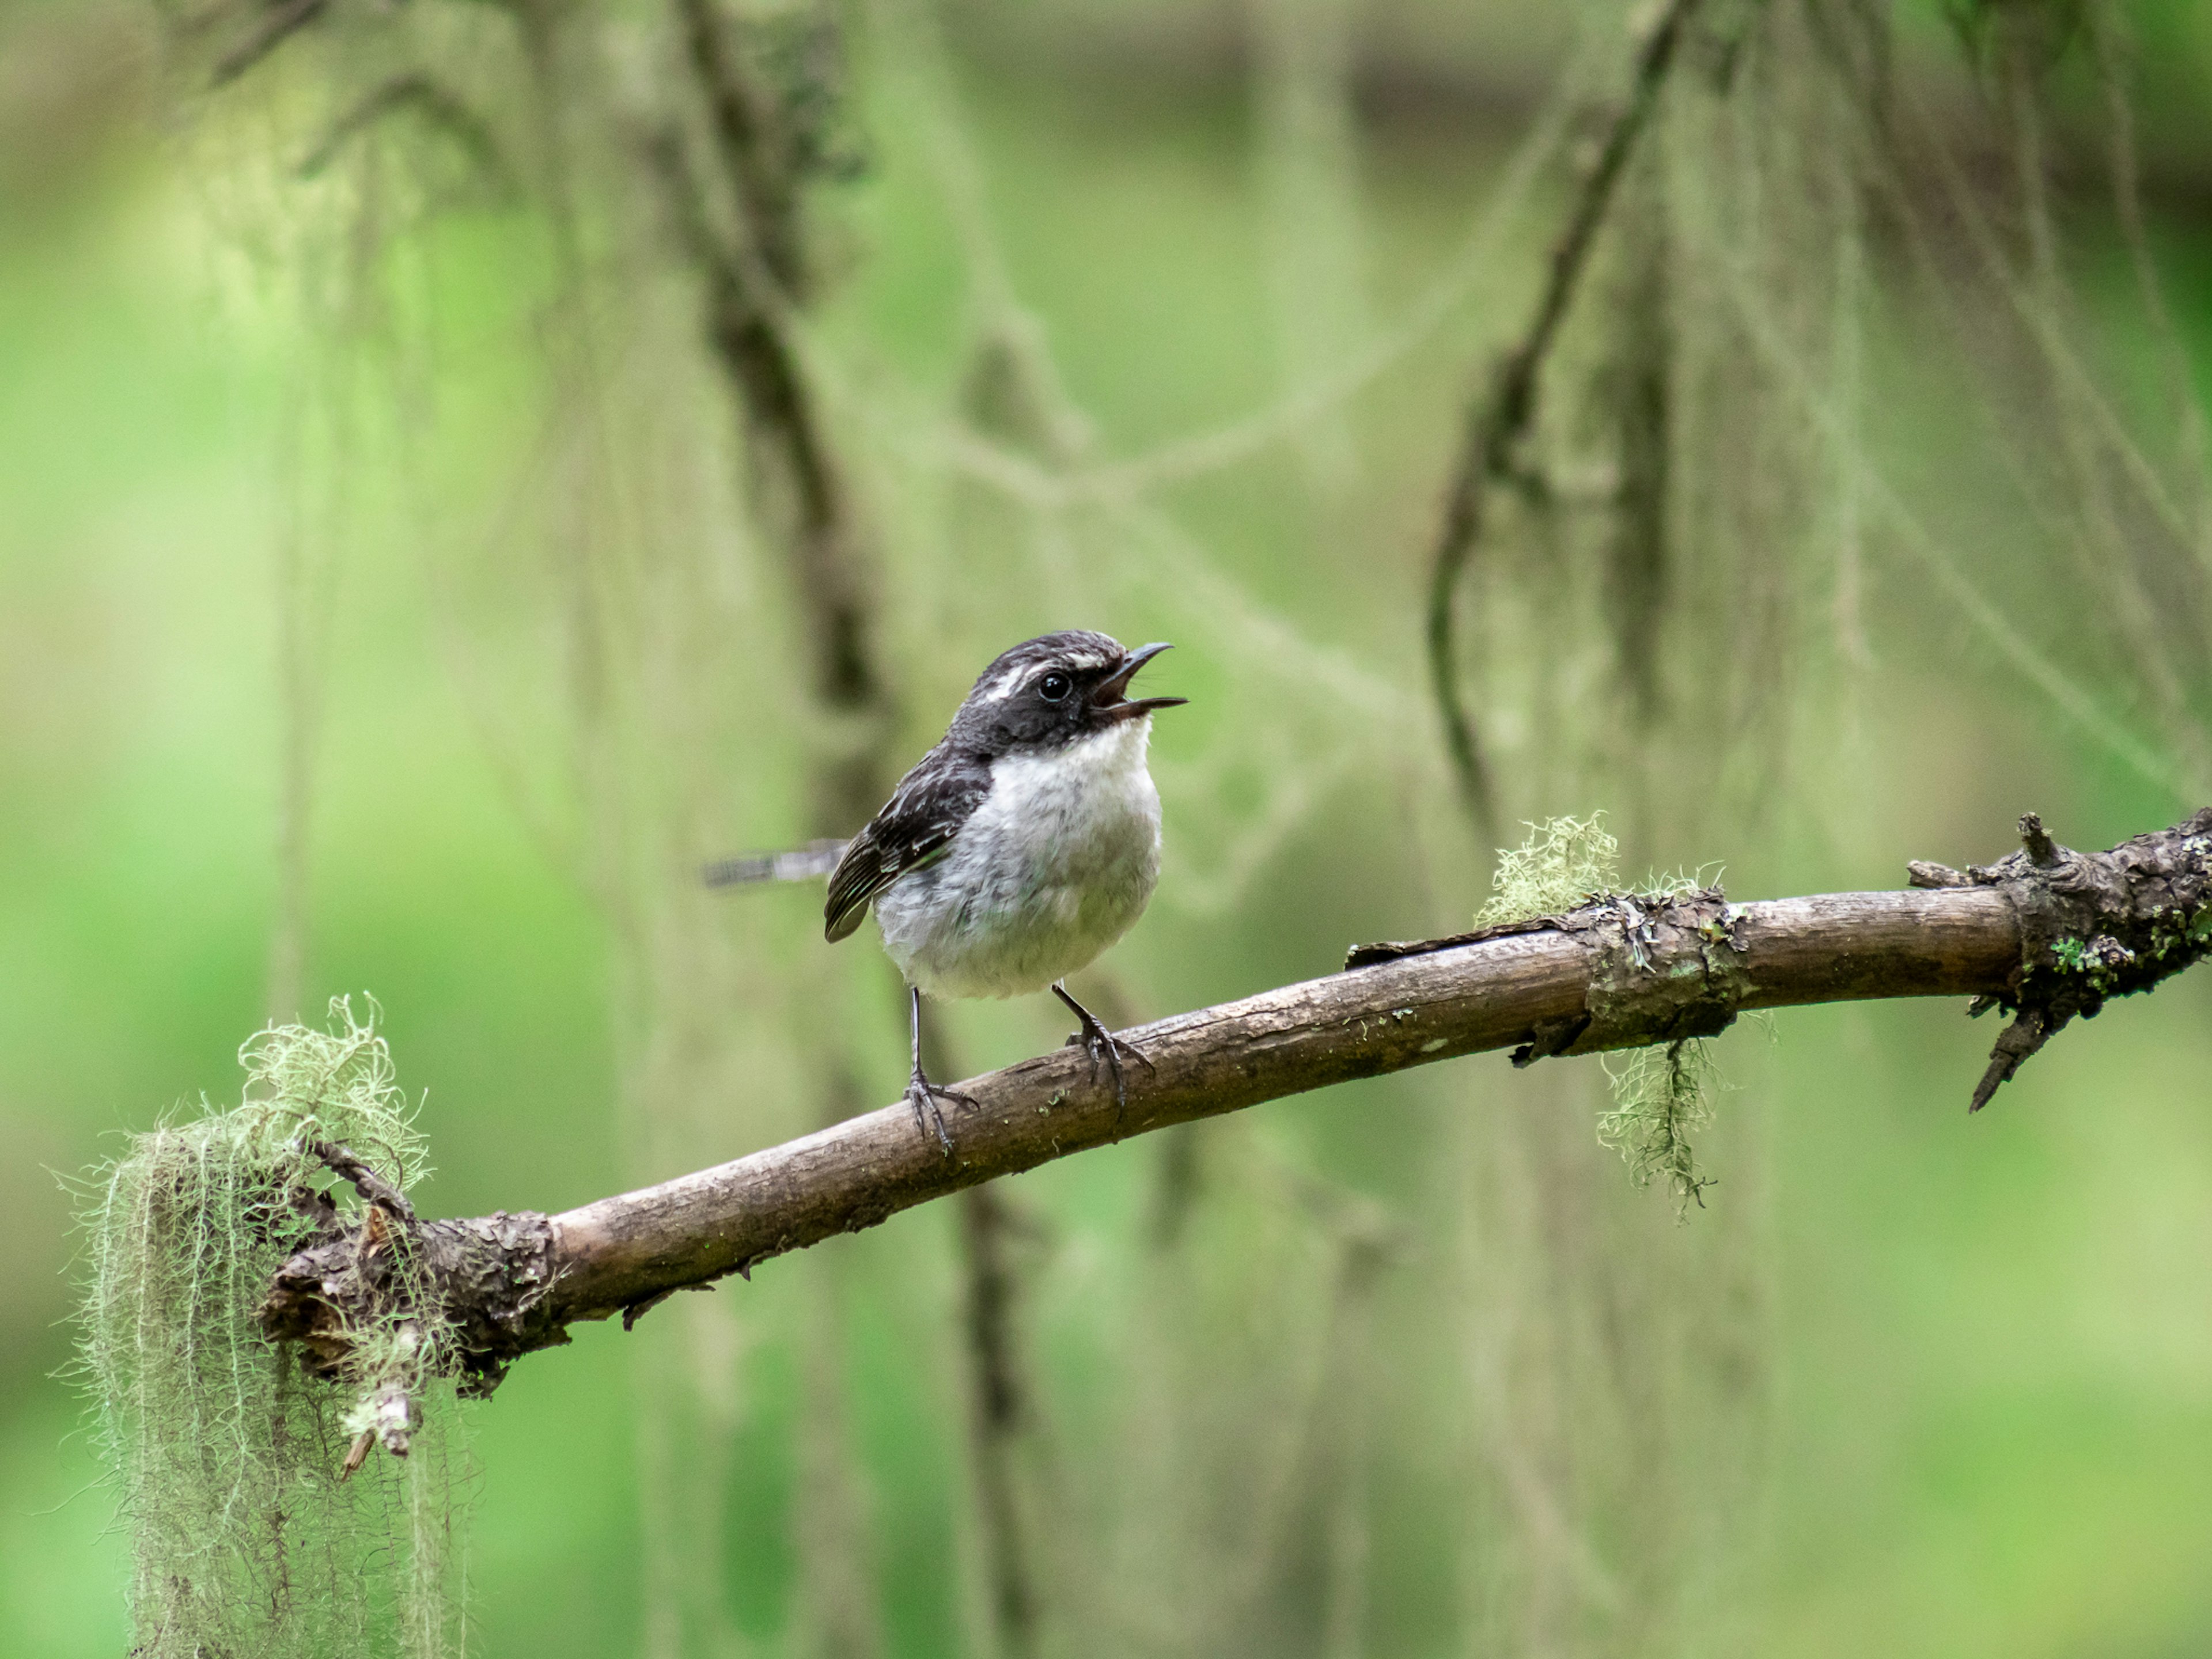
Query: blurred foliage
380	605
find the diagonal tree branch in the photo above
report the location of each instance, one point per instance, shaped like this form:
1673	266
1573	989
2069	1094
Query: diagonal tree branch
278	24
2047	934
1500	420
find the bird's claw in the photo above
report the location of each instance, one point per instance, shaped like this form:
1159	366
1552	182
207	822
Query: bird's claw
922	1095
1103	1047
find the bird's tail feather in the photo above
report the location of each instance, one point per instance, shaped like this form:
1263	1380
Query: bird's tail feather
809	863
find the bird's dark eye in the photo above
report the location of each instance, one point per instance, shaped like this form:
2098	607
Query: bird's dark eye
1053	687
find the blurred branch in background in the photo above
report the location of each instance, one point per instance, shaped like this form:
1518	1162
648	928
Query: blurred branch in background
1489	456
278	21
741	216
999	1407
771	143
421	93
2115	55
754	278
1716	450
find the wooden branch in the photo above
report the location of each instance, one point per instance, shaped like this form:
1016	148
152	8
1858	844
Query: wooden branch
2047	932
1410	1012
373	1188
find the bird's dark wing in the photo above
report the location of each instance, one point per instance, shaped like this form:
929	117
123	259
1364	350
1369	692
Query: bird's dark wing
916	826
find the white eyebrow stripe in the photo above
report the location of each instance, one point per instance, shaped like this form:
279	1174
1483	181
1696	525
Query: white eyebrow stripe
1009	680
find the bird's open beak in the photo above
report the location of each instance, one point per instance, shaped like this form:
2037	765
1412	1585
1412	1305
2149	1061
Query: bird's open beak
1109	699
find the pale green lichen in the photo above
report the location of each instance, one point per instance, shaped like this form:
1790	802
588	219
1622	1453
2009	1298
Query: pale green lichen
1565	863
1661	1095
224	1456
1679	883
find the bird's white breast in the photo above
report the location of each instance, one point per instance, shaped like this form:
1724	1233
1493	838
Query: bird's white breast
1054	865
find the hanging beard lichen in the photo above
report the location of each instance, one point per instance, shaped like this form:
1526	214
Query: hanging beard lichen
248	1538
1661	1095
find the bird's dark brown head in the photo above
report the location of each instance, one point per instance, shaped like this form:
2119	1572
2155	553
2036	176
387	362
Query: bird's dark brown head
1053	691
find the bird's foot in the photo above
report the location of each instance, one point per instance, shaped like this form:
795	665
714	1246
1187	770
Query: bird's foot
1104	1048
922	1095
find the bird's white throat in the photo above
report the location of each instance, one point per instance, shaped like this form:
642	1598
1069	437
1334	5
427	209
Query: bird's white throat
1084	791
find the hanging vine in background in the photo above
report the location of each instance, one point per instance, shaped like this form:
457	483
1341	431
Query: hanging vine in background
773	114
1489	456
2131	530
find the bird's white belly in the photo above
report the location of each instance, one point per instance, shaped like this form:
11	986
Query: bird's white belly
1055	864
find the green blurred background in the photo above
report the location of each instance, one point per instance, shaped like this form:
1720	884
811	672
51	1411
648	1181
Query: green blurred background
1413	1370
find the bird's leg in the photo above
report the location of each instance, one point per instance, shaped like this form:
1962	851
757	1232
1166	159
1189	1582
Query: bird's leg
920	1093
1102	1044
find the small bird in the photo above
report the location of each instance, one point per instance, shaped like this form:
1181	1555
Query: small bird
1016	851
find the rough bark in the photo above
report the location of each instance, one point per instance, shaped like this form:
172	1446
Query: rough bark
2046	933
2093	926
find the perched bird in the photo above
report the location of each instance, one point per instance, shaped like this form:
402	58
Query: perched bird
1015	852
